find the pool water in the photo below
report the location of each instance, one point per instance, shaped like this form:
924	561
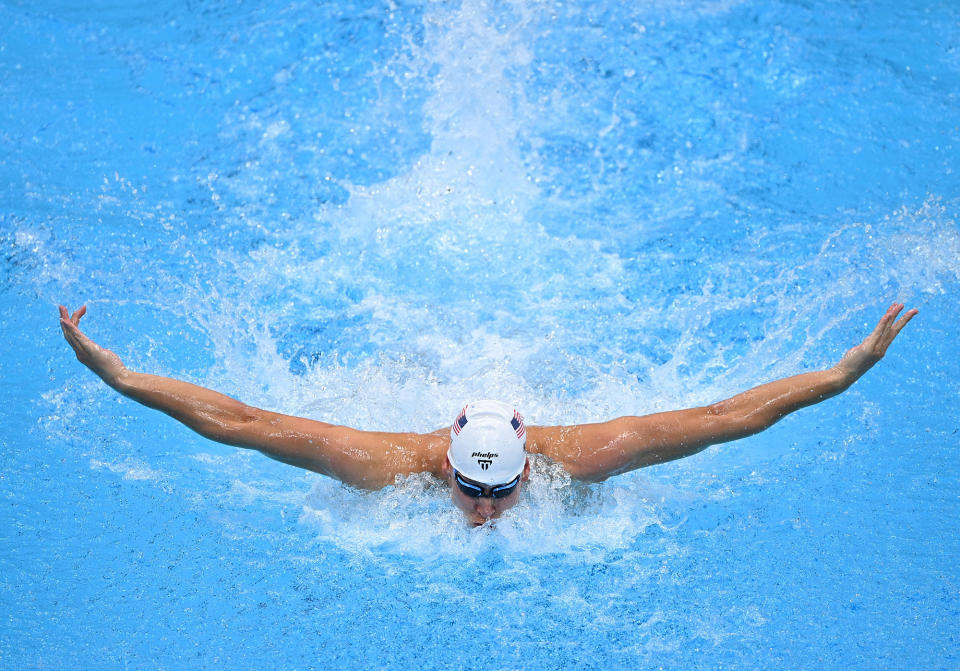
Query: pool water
371	212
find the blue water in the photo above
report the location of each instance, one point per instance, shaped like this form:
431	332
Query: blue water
370	212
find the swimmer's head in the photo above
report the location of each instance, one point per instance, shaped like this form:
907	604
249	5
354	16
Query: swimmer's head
486	461
487	442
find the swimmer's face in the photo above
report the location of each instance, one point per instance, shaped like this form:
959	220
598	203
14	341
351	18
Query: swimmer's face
484	508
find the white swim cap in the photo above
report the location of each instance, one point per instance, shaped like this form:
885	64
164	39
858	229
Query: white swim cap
486	442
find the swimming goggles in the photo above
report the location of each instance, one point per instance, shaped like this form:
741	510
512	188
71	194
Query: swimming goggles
476	490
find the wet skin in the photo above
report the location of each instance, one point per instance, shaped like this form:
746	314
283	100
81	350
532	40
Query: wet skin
588	452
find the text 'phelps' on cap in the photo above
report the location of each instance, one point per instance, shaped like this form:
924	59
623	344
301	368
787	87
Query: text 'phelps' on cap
486	442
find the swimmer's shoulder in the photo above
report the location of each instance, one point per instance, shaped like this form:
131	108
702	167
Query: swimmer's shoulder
551	441
431	449
574	447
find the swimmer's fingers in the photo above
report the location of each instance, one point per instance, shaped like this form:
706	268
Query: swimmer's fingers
101	361
876	343
81	344
890	327
903	321
858	360
66	325
887	319
75	317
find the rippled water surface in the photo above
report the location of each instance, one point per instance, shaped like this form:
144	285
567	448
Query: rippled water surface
368	213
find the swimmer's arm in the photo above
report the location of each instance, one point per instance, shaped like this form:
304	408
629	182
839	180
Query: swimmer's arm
365	459
597	451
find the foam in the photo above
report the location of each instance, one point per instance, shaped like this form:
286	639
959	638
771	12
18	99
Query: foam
415	517
130	468
421	388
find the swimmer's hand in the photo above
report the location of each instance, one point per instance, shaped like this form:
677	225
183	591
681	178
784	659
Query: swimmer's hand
103	362
861	358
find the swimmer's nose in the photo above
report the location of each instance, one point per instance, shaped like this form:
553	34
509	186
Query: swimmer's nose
485	507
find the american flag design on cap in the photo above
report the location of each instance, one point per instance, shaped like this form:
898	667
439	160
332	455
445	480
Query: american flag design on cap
460	421
517	424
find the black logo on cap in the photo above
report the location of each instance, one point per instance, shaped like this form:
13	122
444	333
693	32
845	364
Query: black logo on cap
487	460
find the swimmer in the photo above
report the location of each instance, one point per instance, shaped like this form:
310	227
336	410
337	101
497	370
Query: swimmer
483	455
